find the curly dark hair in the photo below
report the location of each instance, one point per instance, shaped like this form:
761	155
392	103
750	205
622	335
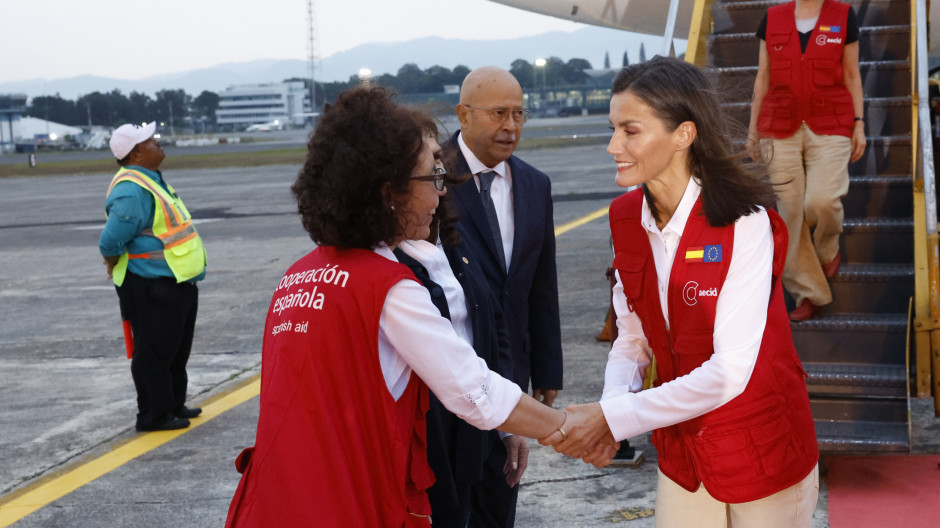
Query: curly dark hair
359	162
678	92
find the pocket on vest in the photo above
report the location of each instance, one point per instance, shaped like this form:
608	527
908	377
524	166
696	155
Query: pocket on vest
190	259
185	248
824	72
692	349
782	111
631	268
757	442
781	73
833	109
676	458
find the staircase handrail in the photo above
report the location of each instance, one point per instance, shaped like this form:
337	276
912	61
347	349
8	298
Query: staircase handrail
927	261
701	26
668	49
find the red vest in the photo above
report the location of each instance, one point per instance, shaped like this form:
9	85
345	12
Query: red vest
333	447
806	86
760	442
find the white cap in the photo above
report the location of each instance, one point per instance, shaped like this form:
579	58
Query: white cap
126	137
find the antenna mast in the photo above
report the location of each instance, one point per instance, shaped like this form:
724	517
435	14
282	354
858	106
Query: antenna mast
311	56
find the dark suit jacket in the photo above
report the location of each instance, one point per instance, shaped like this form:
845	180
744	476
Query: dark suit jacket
456	449
529	291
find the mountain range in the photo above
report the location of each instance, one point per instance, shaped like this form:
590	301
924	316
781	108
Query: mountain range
590	43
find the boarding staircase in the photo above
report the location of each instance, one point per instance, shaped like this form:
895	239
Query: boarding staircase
855	350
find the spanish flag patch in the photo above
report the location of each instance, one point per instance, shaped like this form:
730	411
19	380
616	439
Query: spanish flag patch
831	29
703	254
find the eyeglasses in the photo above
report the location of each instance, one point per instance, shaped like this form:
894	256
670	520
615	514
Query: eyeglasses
500	114
437	177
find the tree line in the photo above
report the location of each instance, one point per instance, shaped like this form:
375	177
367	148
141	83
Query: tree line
114	108
177	108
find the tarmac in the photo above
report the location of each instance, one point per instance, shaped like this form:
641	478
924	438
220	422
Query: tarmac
69	455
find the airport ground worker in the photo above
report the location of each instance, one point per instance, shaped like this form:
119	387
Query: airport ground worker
155	257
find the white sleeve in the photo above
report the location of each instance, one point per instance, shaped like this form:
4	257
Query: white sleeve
740	317
630	354
413	335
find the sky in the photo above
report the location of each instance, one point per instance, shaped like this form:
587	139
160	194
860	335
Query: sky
57	39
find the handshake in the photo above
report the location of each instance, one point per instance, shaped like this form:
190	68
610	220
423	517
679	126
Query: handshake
585	435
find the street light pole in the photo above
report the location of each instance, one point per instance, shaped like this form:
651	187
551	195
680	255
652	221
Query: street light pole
540	63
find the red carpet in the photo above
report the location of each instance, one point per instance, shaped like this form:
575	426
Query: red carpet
887	491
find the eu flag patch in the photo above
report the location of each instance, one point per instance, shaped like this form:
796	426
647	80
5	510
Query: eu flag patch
703	254
831	29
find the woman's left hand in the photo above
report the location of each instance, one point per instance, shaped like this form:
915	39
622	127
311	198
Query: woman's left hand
858	141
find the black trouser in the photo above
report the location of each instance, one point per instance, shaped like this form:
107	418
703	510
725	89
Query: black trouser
162	313
494	502
489	503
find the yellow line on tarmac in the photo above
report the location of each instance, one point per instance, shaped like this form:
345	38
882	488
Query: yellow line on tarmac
33	499
58	487
581	221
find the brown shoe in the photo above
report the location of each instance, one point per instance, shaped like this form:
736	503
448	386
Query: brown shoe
830	270
806	310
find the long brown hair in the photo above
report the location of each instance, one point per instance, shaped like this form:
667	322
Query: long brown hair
678	92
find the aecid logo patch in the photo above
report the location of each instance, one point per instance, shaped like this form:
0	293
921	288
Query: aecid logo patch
691	293
822	39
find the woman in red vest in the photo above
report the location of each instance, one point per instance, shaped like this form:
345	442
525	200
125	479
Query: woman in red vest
698	253
808	106
353	342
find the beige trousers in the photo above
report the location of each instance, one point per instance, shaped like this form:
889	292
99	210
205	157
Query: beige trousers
789	508
810	173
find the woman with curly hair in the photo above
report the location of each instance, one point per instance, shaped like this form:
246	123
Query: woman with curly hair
353	342
698	255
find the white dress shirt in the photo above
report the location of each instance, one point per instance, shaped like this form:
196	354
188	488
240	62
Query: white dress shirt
500	192
413	335
433	258
740	316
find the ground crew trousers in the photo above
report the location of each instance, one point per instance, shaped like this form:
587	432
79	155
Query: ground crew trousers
810	173
163	317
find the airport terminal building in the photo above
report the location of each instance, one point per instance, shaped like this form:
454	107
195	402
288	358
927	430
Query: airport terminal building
287	104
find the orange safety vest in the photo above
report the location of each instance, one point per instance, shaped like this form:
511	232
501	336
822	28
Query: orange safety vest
183	250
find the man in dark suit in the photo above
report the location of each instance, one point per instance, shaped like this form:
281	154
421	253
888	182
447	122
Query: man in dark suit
505	210
457	451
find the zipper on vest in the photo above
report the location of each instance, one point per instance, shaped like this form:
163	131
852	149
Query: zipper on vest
803	77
